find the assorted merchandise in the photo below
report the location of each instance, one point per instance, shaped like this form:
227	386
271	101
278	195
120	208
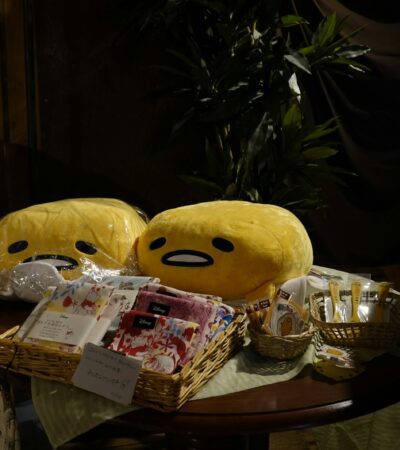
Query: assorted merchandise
356	301
163	292
279	327
162	326
357	314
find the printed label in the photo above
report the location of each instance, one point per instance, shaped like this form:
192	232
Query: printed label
264	303
158	308
283	294
144	322
64	328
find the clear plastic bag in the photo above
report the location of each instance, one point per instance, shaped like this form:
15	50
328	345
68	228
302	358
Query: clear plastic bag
45	244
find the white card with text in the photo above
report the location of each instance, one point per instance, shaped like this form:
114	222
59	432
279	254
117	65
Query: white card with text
107	373
60	327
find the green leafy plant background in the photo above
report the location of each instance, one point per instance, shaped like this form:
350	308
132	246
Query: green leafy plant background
239	67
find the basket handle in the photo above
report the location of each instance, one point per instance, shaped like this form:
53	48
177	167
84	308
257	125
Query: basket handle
9	332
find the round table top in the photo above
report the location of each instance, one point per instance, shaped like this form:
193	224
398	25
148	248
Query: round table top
307	400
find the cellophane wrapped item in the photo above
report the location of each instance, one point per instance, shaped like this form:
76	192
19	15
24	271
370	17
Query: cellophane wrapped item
48	244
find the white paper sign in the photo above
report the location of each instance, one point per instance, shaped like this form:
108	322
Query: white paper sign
107	373
62	327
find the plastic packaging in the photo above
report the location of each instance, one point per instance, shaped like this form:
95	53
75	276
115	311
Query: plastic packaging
46	244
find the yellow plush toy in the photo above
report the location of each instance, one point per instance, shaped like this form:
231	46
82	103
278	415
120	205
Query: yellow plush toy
68	233
234	249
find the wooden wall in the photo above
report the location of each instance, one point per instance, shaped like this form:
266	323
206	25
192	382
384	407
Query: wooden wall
14	154
99	135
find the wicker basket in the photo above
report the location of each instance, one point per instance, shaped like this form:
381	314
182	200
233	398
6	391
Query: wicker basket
7	347
156	390
358	334
280	347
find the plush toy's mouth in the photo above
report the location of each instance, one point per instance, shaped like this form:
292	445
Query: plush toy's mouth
187	258
60	262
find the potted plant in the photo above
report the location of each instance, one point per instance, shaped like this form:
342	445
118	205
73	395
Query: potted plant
240	67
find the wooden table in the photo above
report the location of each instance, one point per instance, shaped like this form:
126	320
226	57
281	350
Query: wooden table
245	418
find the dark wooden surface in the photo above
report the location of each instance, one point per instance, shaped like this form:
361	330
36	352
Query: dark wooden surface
305	401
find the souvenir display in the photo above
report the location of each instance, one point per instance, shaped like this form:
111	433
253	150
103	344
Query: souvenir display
357	312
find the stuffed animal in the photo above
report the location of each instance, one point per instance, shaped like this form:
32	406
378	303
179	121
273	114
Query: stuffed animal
234	249
72	236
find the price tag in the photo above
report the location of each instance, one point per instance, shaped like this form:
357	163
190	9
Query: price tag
107	373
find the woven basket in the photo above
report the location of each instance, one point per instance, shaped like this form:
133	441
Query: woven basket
358	334
7	347
280	347
156	390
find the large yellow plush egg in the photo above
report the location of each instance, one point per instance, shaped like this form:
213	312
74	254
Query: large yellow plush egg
234	249
71	234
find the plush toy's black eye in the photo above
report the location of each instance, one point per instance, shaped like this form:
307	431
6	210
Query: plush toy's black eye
223	244
157	243
18	246
86	247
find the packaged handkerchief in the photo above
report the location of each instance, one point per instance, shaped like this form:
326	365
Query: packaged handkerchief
161	342
224	317
191	308
154	286
124	282
67	319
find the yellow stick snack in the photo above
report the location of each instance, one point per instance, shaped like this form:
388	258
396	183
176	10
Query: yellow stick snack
334	290
356	292
383	291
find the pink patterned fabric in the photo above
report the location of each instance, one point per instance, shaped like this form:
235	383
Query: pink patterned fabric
192	308
161	342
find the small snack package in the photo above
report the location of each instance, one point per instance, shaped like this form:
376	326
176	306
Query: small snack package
355	300
286	317
279	327
278	317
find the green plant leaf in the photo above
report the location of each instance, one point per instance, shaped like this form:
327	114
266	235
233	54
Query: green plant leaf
307	51
319	131
292	20
350	63
231	191
253	195
299	61
353	51
326	31
319	152
189	114
292	117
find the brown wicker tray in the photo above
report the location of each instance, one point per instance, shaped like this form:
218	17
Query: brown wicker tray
358	334
280	347
7	347
156	390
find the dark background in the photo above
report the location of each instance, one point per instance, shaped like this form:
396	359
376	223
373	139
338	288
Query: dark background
98	133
